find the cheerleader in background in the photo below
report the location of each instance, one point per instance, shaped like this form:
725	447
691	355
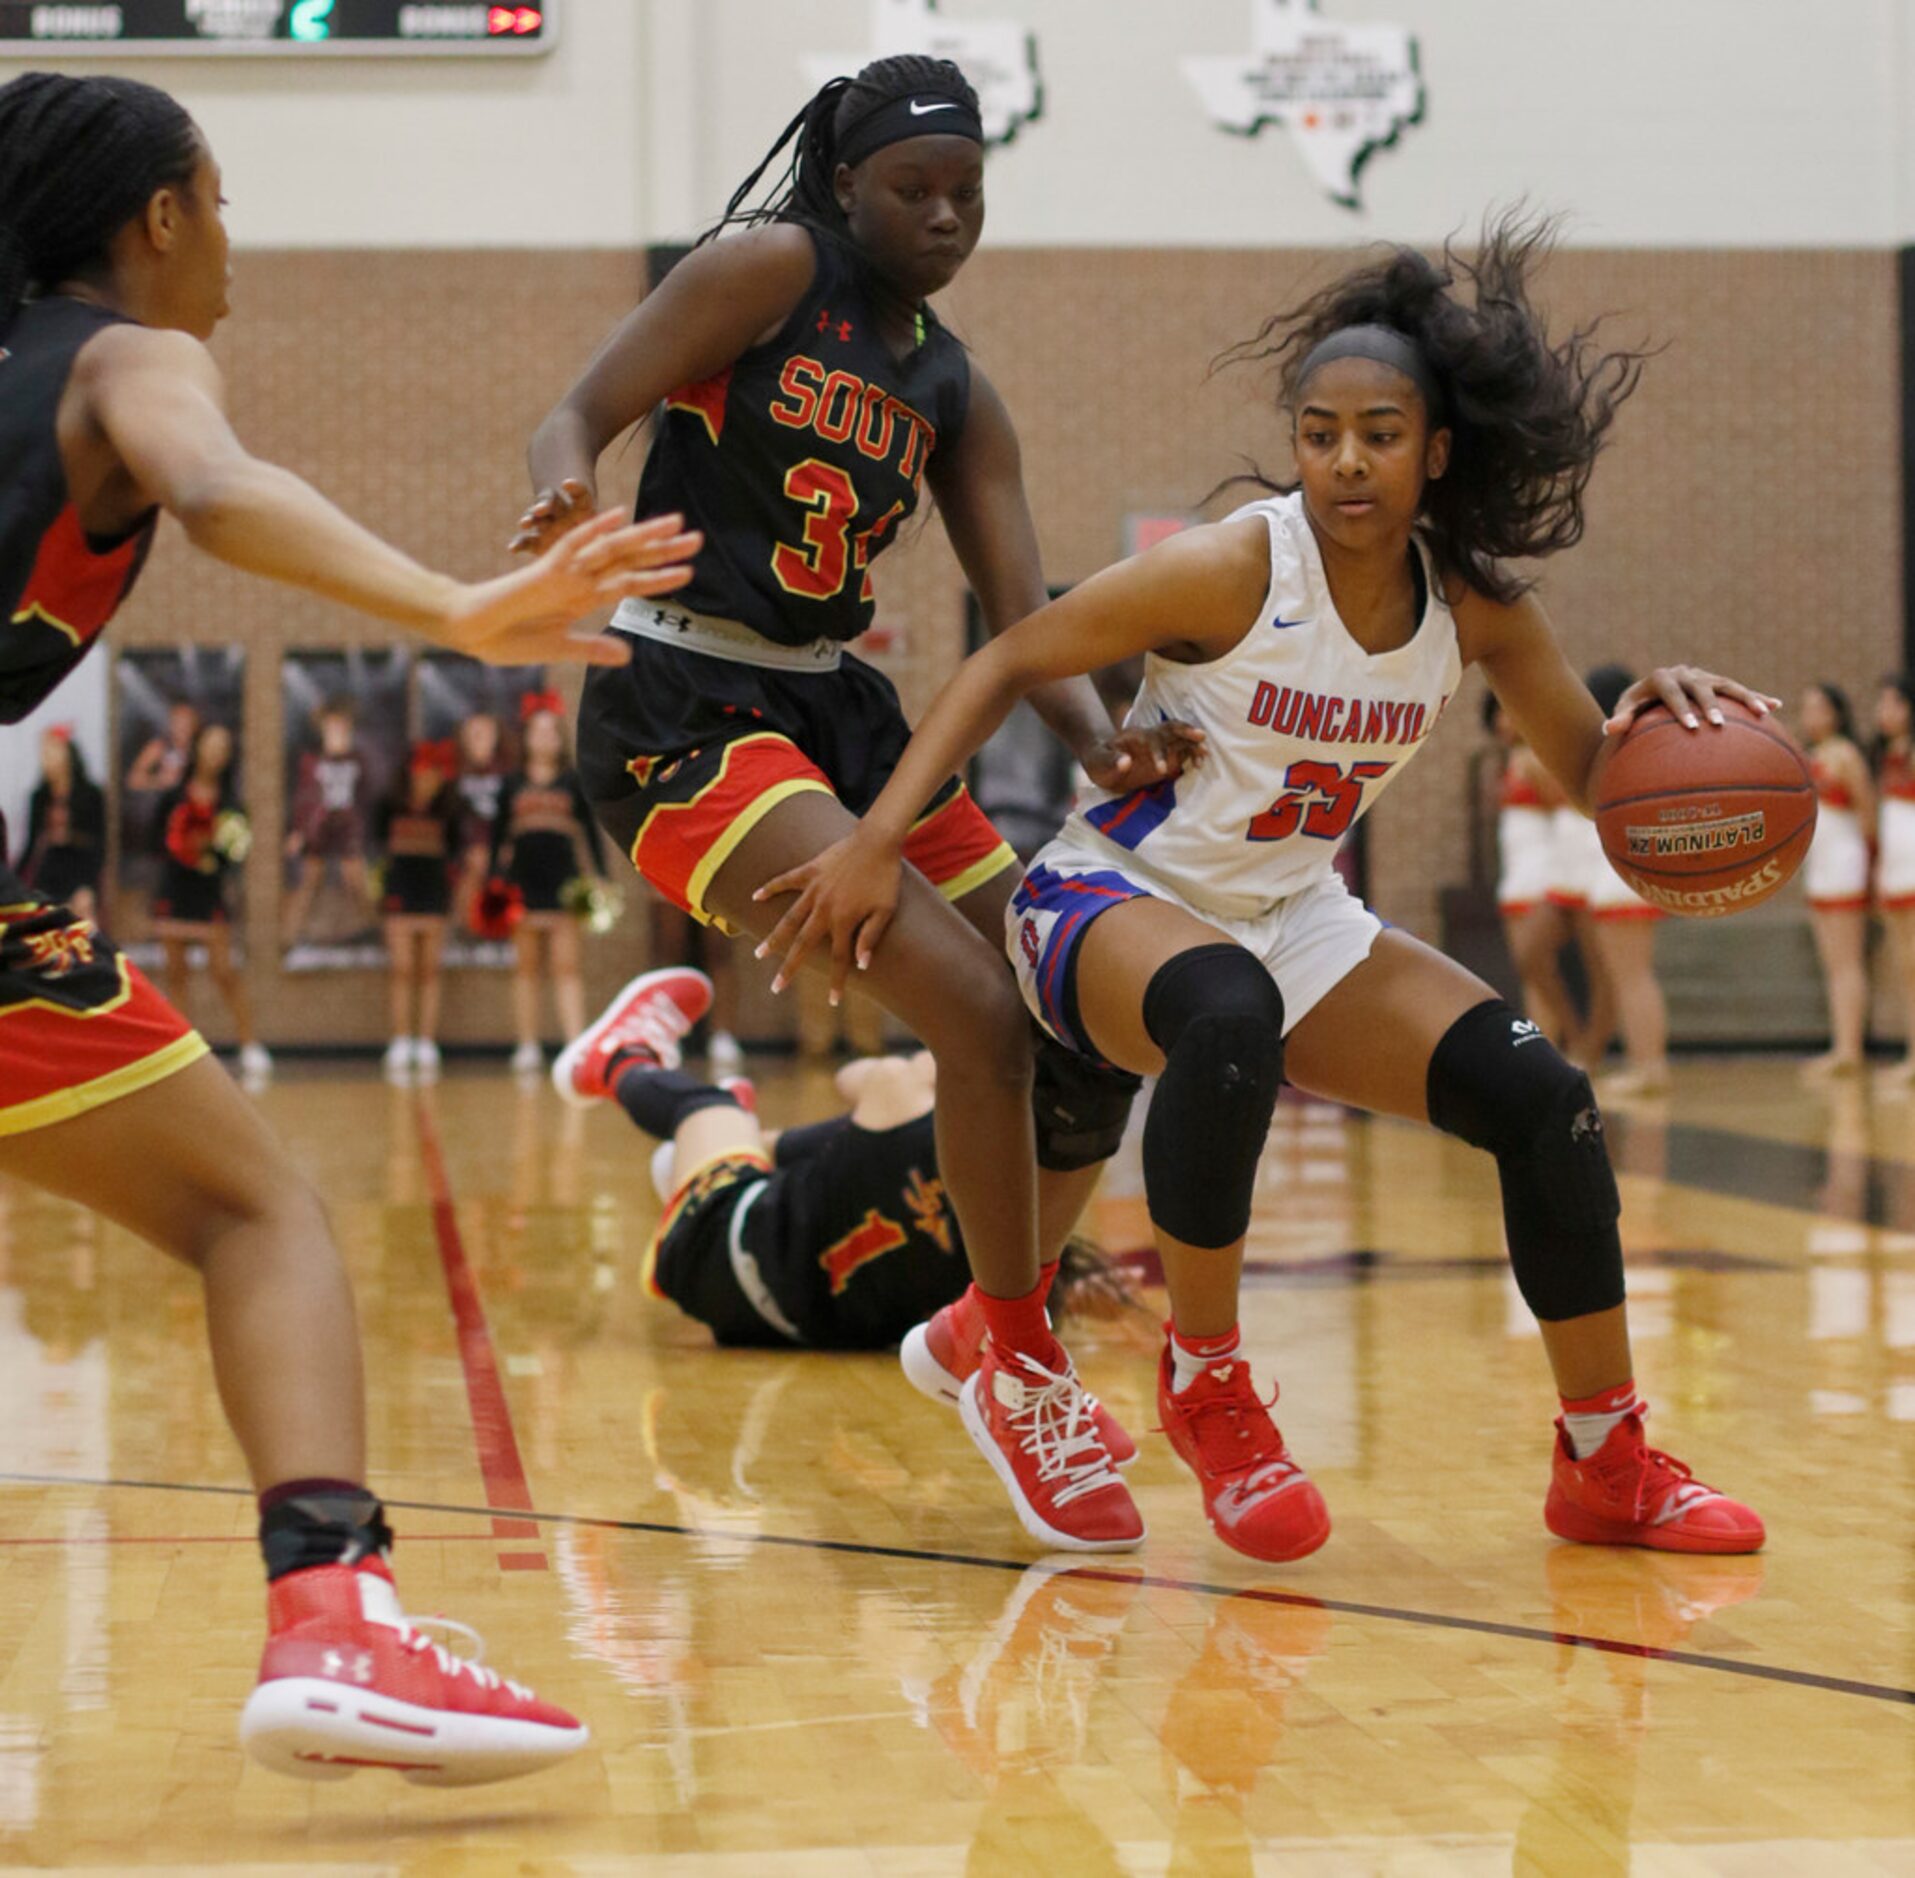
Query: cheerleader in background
203	836
418	827
1838	872
1622	927
482	773
1576	863
1893	760
331	806
66	827
544	838
1534	925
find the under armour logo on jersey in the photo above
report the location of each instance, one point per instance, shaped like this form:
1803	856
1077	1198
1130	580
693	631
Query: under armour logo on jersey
826	324
1283	625
1522	1031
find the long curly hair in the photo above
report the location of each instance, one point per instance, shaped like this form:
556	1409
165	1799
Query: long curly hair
1528	416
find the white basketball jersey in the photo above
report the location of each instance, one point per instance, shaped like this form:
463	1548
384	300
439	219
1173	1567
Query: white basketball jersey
1305	730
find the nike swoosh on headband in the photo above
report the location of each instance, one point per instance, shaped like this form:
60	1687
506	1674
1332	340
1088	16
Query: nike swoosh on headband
925	110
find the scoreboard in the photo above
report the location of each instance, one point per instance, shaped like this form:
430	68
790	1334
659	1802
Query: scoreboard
187	28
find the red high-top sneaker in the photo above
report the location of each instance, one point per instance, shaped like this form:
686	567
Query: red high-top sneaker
1256	1497
348	1682
644	1023
1628	1493
939	1356
1035	1427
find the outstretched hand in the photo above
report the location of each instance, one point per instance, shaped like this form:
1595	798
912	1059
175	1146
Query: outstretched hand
552	514
846	898
1691	695
525	618
1135	759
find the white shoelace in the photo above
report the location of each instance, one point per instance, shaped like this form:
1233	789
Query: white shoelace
657	1024
414	1638
1056	1429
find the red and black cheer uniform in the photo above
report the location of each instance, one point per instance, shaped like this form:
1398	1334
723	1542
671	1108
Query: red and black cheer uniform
421	847
331	801
800	462
66	840
478	791
843	1242
535	841
192	889
79	1025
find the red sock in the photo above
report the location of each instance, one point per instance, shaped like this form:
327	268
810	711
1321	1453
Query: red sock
1191	1356
1046	1277
1021	1324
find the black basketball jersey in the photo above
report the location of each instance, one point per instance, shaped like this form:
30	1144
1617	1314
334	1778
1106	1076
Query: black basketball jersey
58	586
856	1233
802	458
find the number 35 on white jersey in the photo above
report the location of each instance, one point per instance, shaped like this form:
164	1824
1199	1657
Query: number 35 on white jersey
1305	730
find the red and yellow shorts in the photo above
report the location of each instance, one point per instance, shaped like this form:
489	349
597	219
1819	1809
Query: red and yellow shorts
682	755
79	1024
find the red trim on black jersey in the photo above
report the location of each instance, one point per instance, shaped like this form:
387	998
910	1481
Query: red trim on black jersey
72	589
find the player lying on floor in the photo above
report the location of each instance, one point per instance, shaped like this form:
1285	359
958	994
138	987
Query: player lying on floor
836	1235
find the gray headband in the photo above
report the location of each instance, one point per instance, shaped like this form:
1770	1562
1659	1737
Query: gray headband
1386	346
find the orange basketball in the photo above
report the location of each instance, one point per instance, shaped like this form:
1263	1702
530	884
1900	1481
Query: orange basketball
1705	822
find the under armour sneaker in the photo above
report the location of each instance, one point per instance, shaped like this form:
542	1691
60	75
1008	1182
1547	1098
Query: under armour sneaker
1034	1425
645	1023
939	1356
348	1681
1628	1493
1256	1497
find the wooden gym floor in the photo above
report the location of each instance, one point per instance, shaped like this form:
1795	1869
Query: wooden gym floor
810	1638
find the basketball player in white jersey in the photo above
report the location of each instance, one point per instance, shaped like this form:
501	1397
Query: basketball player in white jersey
1195	930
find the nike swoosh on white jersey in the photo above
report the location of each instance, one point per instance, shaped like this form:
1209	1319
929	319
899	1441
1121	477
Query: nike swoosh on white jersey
925	110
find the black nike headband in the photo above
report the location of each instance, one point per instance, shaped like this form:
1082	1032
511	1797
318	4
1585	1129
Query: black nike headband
1386	346
922	114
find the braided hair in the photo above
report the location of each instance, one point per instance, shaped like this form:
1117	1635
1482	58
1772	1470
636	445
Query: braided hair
804	191
79	158
1528	417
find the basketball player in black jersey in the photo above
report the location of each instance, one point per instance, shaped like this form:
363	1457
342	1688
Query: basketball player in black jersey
836	1235
113	273
805	394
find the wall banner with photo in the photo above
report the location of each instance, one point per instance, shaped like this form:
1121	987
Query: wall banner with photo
478	710
345	723
180	818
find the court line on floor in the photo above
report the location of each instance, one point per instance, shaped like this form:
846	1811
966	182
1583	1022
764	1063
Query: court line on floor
202	1538
1153	1581
500	1464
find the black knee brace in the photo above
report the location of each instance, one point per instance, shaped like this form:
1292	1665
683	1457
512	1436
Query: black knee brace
1218	1019
1498	1083
1080	1106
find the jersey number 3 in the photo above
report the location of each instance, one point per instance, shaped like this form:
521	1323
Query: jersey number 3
1319	800
817	570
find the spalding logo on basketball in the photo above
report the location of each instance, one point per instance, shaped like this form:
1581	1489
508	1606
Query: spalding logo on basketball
1705	822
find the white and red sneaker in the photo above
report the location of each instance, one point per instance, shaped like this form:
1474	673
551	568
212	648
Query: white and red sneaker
940	1355
1256	1497
1628	1493
645	1023
1034	1425
347	1681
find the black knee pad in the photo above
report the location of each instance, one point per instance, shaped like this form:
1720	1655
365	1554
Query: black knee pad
1218	1019
1496	1082
1080	1106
